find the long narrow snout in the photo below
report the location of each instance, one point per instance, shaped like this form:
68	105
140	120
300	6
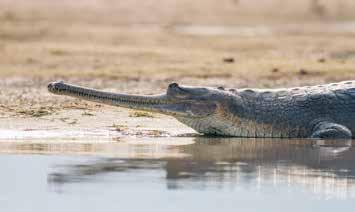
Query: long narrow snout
141	102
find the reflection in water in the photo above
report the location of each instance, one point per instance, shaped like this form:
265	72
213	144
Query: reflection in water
321	167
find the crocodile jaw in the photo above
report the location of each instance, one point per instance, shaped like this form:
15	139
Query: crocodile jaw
158	103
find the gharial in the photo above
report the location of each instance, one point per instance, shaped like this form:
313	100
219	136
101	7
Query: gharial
323	111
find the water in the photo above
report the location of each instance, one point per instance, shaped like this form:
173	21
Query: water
177	174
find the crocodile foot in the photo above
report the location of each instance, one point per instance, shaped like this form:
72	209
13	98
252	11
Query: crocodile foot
330	130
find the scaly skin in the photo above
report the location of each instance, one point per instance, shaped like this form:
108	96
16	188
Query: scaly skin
323	111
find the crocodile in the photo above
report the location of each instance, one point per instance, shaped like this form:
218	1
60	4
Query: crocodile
319	112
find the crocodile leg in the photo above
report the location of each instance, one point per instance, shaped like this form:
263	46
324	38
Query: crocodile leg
330	130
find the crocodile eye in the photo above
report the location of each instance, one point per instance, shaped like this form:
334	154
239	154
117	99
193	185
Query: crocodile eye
220	88
173	85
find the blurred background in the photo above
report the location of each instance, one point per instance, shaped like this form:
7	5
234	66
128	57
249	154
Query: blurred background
140	46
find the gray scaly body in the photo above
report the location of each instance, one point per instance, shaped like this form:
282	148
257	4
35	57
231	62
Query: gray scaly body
323	111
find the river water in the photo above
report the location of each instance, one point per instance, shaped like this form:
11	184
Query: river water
177	174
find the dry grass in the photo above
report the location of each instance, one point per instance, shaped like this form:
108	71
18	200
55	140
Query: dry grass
38	112
119	127
141	114
132	49
86	113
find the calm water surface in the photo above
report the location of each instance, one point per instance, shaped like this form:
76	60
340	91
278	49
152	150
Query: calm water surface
177	174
